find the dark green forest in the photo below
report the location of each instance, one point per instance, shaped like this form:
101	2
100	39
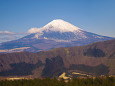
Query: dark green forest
98	81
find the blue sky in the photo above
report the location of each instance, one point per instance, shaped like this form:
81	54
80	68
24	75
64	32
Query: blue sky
97	16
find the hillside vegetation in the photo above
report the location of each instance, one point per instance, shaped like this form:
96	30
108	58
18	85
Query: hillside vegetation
97	59
107	81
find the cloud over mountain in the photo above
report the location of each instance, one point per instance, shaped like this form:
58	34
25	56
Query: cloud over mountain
34	30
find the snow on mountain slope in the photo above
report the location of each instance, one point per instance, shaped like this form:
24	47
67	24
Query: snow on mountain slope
58	29
61	26
56	25
57	33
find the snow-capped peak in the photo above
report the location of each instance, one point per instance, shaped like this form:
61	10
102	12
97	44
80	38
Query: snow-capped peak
61	26
56	25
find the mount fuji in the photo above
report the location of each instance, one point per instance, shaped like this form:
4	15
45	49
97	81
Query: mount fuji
57	33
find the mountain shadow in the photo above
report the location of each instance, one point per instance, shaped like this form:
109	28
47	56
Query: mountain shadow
97	70
94	52
53	67
21	69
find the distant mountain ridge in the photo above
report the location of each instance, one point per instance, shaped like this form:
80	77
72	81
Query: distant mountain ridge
57	33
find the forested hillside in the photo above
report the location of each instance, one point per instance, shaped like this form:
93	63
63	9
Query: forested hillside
95	59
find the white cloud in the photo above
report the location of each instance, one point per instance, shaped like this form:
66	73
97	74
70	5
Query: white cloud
8	36
6	33
34	30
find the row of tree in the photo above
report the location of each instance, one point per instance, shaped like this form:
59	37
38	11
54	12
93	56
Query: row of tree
98	81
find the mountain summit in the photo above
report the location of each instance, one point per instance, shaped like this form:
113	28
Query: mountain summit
56	25
57	33
60	30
